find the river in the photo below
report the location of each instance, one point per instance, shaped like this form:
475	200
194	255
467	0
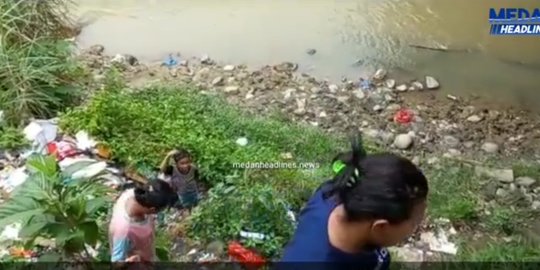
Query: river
351	38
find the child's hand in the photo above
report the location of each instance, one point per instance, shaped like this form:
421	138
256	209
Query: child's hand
134	258
172	152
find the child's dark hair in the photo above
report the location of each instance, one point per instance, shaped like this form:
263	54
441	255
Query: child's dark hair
157	194
181	154
379	186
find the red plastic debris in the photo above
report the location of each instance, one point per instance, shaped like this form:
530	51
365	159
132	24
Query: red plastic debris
62	149
403	116
245	256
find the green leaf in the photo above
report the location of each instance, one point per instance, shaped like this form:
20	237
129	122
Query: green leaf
162	253
33	227
18	217
57	229
91	232
43	164
93	205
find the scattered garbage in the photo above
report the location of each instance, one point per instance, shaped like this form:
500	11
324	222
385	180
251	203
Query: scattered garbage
245	256
366	84
170	61
10	232
253	235
15	178
40	133
84	142
242	141
439	242
403	116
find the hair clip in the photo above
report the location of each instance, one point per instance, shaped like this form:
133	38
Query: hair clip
338	166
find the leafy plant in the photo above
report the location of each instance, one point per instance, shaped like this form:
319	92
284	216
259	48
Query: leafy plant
49	208
12	138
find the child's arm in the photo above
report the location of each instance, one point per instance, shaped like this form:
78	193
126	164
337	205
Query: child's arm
166	162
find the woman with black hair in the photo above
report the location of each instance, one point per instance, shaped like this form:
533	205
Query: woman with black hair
131	231
373	202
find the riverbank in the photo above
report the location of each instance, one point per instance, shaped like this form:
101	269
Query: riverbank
482	163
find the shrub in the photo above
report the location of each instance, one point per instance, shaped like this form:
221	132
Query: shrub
142	126
48	207
37	75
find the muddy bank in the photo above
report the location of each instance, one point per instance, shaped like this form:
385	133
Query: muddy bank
454	127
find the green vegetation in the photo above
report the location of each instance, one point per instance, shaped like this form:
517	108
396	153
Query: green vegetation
48	207
38	76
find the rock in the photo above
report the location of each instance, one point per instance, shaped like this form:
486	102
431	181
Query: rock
402	88
119	59
131	60
288	93
432	160
501	192
372	133
217	81
468	144
378	108
503	175
403	141
379	74
97	49
231	89
359	94
315	90
417	86
229	68
416	160
512	187
311	51
474	118
431	83
205	59
535	205
454	152
301	106
490	147
393	107
525	181
333	88
450	141
322	114
390	83
242	141
387	137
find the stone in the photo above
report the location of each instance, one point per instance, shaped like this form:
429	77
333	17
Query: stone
501	192
468	144
402	88
450	141
490	147
418	86
287	94
217	81
315	90
372	133
403	141
231	89
359	94
322	114
393	107
525	181
333	88
311	51
502	175
390	83
131	60
379	74
378	108
535	205
205	59
229	68
454	152
512	187
300	106
387	137
216	247
474	118
97	49
416	160
431	83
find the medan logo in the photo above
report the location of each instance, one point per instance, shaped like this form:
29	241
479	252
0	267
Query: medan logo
514	16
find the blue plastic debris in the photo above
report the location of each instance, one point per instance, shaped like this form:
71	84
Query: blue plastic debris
365	84
170	62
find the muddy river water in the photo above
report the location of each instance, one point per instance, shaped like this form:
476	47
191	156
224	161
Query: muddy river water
351	38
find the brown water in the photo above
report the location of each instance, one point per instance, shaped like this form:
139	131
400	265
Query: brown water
377	33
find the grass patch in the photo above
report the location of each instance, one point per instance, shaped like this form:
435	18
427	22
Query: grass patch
142	126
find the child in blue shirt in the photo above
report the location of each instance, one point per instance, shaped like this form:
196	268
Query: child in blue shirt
373	202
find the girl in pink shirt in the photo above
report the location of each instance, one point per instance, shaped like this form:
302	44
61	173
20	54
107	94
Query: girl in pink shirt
131	231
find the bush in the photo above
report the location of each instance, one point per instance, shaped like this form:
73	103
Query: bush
37	75
48	207
12	138
142	126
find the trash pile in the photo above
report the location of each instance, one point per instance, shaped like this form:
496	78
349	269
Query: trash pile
78	158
